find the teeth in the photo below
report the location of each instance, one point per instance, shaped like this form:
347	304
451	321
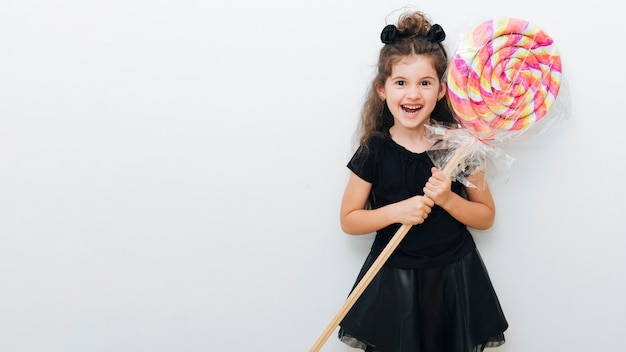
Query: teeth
412	106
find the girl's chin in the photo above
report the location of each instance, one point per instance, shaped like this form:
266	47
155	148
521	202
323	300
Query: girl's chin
412	123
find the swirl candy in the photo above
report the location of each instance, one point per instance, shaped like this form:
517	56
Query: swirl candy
504	77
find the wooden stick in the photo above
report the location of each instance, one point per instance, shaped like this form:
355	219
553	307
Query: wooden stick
448	169
360	287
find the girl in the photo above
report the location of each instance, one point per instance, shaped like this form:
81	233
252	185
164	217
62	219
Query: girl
433	293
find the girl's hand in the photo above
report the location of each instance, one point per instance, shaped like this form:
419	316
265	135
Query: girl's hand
439	187
414	210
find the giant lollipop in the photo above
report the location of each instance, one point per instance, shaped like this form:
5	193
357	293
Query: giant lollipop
503	80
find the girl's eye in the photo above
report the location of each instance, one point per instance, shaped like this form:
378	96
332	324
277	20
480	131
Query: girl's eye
425	83
401	83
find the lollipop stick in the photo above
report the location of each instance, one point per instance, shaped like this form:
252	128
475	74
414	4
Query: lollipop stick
455	160
360	287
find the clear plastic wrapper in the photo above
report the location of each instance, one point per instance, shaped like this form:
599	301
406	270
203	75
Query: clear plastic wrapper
460	153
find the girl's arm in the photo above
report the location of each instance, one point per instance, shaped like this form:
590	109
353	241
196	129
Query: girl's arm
479	211
356	220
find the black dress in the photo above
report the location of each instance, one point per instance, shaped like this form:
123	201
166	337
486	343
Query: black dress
434	293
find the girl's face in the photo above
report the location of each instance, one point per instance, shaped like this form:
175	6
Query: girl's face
412	91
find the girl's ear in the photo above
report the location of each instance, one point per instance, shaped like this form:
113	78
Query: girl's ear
442	90
381	92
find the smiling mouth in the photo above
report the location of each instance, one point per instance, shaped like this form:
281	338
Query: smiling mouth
411	108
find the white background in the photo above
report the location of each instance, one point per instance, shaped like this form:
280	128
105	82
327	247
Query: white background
171	173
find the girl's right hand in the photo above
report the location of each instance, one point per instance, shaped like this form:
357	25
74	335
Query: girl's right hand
414	210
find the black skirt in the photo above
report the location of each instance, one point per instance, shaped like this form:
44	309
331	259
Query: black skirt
451	308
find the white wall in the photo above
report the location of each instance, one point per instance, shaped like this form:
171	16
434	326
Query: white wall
171	172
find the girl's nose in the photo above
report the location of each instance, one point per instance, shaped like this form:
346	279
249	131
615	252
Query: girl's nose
414	92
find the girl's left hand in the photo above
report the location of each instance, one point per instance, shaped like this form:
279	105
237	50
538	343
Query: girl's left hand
439	187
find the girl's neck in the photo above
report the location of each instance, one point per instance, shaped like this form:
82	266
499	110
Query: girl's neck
413	140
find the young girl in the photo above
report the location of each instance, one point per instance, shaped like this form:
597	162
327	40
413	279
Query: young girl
433	293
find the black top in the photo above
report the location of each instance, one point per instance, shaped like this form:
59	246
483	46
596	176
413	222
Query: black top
397	174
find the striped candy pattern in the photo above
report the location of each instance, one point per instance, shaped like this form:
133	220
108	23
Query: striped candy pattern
504	76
